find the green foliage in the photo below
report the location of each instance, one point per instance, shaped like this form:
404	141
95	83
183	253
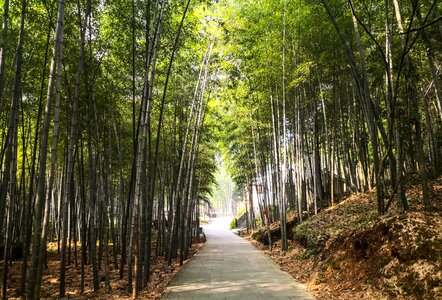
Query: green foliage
233	224
234	221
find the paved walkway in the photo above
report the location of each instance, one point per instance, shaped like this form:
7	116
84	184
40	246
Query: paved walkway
229	267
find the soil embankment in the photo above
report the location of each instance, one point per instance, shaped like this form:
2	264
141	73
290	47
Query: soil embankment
349	252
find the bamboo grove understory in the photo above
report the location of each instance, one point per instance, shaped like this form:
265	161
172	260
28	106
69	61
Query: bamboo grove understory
114	115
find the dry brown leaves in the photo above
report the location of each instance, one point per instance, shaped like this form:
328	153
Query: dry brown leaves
358	255
161	276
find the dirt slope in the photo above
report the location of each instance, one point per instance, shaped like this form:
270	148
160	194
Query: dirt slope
348	252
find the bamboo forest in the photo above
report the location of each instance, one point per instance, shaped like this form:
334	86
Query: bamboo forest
309	132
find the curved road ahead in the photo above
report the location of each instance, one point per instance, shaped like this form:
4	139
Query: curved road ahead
229	267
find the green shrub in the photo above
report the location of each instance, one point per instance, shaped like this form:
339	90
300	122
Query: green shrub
233	223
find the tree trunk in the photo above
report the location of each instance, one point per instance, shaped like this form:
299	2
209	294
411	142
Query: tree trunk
411	77
284	245
431	62
92	202
10	185
71	149
3	52
33	290
28	206
360	78
53	160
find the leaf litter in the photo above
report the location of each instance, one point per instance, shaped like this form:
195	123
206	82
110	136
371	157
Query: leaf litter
161	276
349	252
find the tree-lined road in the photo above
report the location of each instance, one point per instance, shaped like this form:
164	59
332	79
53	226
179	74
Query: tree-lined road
119	115
229	267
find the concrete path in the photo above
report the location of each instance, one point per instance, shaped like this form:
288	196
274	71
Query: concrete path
229	267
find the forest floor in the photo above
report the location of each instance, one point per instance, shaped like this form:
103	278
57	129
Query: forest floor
349	252
161	276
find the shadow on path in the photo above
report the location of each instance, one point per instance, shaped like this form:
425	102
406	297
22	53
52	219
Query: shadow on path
229	267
